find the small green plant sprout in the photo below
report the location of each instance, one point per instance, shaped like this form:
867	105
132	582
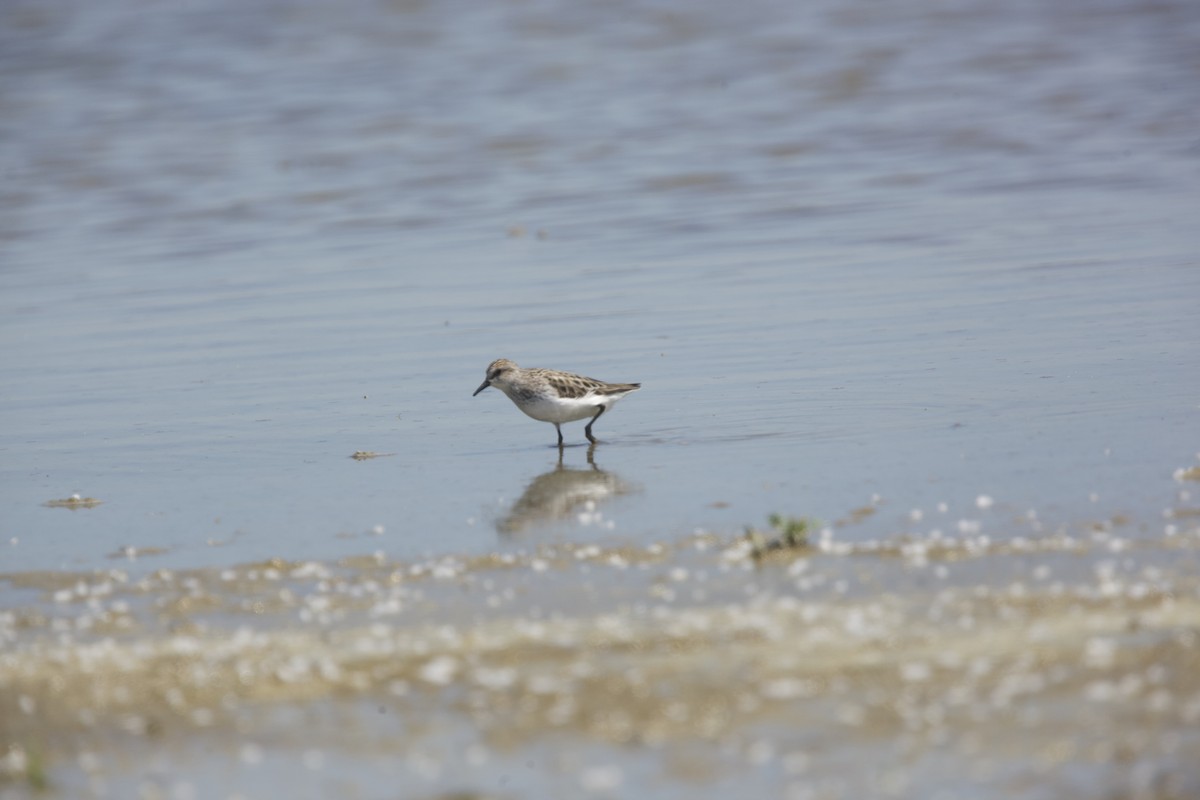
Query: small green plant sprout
791	533
35	772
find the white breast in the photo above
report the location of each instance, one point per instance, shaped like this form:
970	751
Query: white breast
561	410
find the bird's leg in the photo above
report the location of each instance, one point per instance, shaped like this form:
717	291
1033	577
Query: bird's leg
560	444
588	430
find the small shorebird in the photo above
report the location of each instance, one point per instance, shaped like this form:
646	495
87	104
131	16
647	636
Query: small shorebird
552	396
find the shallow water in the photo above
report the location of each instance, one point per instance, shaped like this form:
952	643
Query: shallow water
926	271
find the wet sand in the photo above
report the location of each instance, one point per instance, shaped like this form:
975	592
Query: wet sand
1048	663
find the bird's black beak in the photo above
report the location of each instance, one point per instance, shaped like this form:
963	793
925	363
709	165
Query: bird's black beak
482	386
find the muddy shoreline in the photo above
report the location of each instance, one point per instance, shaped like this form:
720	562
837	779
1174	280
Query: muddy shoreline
1028	666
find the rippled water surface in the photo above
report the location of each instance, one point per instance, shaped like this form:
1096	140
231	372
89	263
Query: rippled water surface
909	272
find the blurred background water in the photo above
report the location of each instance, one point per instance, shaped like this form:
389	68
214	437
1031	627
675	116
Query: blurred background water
857	253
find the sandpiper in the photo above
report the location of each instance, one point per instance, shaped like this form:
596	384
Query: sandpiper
552	396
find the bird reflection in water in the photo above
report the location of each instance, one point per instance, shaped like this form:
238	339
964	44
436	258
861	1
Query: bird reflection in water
556	494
